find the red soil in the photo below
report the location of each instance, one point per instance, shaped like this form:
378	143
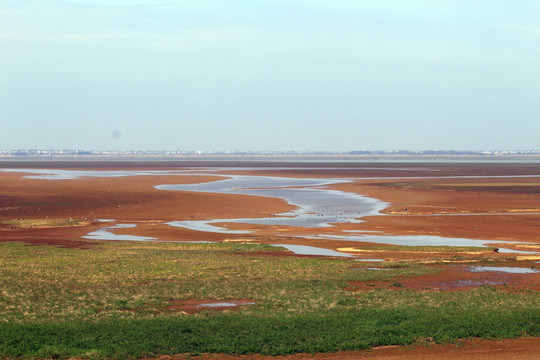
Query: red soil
413	204
475	349
126	199
456	278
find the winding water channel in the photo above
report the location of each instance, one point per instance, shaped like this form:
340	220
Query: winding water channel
317	207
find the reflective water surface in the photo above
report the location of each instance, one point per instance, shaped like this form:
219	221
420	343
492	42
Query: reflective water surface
426	240
370	260
224	304
311	250
506	269
105	234
316	205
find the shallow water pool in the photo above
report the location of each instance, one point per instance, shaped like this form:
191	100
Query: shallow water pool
505	269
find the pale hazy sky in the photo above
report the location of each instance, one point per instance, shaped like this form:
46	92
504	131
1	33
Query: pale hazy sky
270	74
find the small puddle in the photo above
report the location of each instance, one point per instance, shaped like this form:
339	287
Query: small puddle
505	269
311	250
461	283
224	304
193	306
105	234
476	283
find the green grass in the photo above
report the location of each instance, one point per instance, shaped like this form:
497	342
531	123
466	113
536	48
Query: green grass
111	301
278	335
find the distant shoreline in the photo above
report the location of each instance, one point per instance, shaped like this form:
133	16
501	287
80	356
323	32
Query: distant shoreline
259	160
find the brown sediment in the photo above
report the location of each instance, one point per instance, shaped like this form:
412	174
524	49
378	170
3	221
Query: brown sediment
124	199
453	208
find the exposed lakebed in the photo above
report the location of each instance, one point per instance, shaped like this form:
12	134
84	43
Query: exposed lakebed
317	207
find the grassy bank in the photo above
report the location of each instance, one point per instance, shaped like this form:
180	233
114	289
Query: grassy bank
114	300
238	334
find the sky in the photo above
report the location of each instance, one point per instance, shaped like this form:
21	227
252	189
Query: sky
257	75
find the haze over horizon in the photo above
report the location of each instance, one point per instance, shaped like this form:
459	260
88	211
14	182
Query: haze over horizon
270	75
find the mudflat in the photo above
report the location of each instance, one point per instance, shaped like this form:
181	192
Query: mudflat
477	201
498	203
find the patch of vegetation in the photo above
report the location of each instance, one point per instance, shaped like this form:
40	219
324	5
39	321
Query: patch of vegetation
113	301
237	334
30	223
